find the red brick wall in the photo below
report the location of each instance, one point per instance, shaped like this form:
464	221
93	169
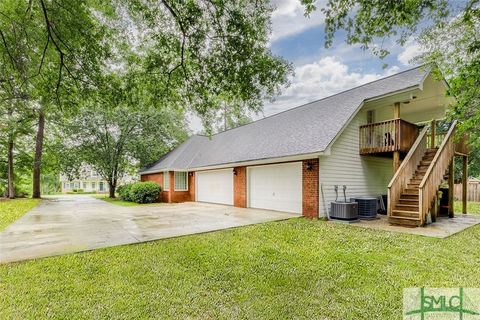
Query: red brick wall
191	185
310	188
172	195
240	187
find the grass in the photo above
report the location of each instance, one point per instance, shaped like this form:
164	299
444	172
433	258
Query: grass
117	201
291	269
472	207
11	210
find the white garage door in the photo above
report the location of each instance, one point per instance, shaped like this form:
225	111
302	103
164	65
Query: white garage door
276	187
215	186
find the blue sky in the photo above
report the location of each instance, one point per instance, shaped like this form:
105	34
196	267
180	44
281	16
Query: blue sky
320	72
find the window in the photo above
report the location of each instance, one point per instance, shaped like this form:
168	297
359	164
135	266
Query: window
93	185
371	116
166	181
100	186
181	183
65	185
84	185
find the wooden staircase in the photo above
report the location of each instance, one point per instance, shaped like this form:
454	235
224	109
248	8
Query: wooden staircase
413	190
406	211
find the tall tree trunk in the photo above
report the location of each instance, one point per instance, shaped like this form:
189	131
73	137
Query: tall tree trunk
11	187
111	190
37	163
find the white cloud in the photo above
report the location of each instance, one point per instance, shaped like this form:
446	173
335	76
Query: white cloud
319	79
288	18
411	49
312	81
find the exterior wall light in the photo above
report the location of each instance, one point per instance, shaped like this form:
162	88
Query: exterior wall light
309	166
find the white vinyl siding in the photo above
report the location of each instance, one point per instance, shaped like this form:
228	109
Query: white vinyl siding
363	175
181	183
166	180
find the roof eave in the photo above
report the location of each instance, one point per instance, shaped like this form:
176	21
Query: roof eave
290	158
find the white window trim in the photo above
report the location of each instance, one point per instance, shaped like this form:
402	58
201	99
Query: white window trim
186	181
166	176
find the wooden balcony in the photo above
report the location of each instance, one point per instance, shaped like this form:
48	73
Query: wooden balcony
383	138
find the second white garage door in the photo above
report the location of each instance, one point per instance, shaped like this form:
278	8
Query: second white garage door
276	187
215	186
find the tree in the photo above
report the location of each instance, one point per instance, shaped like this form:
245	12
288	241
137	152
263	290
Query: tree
197	53
118	130
47	47
189	53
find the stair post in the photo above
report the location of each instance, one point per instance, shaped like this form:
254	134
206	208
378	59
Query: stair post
451	176
464	184
396	153
433	129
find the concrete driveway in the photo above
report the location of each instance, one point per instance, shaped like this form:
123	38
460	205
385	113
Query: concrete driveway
68	224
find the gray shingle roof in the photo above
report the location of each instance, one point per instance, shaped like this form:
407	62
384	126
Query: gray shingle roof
306	129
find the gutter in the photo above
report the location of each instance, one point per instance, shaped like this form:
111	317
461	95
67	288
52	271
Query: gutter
227	165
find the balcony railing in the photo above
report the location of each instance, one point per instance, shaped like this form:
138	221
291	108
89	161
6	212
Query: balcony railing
387	136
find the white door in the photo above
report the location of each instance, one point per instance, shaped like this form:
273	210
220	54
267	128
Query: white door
276	187
215	186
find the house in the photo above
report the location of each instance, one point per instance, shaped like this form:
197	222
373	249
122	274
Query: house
375	139
88	180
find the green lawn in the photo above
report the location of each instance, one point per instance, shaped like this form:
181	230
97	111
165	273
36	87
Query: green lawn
11	210
291	269
116	201
472	207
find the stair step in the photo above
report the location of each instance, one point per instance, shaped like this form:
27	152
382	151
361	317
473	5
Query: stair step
408	201
409	196
413	186
410	191
406	207
404	221
405	214
425	162
398	214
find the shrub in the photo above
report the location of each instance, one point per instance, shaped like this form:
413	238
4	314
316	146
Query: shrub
124	192
144	192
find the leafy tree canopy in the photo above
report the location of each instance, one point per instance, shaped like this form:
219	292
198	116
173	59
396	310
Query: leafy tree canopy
117	130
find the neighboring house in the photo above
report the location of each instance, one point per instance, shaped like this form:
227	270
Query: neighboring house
89	181
292	161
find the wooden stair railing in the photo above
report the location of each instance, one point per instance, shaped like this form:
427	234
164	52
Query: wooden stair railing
406	170
428	188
